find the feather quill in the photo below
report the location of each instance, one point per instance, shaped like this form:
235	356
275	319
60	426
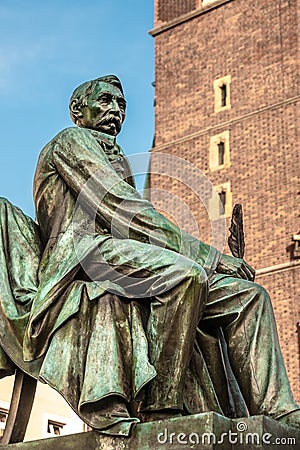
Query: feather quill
236	240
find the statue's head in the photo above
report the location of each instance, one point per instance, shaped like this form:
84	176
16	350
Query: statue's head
99	104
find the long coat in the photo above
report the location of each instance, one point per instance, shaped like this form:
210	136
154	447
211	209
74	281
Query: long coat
51	313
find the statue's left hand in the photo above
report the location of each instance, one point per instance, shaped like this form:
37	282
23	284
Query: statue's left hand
236	267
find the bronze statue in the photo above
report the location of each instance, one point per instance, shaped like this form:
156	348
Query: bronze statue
114	306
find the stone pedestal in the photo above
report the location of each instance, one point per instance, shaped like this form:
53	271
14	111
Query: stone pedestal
199	432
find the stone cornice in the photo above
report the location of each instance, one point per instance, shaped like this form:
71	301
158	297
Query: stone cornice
278	268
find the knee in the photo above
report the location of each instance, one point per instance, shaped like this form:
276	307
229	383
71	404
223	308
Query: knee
197	273
187	269
260	291
249	287
261	296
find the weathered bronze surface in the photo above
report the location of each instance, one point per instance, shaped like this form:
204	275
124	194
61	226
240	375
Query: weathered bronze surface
113	305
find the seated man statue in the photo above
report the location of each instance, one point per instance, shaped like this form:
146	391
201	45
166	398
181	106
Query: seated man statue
109	302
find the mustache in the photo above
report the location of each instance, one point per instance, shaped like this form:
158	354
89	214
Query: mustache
110	118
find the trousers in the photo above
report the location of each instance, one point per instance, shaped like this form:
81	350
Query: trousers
181	300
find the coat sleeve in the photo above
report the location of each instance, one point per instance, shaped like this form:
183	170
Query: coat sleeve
84	166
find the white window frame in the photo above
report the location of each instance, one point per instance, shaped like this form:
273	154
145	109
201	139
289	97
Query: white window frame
4	406
205	2
73	424
214	202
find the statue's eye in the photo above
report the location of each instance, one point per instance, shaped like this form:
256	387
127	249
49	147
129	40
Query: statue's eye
122	105
104	98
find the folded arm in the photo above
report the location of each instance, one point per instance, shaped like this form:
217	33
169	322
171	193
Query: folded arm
83	165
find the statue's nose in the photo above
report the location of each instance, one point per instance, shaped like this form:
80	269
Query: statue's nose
114	106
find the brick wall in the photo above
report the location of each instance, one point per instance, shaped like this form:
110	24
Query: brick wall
166	10
257	44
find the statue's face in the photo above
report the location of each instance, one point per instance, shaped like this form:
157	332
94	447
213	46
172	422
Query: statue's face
105	110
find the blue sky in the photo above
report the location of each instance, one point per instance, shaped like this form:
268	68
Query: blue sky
47	48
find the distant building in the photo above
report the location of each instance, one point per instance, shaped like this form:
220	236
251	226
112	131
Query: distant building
227	99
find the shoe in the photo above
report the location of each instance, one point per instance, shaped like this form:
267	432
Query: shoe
291	419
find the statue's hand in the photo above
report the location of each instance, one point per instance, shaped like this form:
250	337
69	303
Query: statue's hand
236	267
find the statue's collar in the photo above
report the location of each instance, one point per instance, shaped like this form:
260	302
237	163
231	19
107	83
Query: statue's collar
107	138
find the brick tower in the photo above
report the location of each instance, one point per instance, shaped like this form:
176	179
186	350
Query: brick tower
227	99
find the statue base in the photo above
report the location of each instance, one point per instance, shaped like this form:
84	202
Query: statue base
200	432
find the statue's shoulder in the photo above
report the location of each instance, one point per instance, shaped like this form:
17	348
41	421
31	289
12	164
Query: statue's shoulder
70	133
46	154
73	135
66	141
63	135
69	141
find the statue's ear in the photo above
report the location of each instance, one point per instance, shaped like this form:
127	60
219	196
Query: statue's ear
75	111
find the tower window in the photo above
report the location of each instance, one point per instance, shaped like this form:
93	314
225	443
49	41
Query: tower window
222	93
222	203
221	153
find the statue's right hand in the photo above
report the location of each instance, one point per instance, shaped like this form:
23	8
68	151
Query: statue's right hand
236	267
